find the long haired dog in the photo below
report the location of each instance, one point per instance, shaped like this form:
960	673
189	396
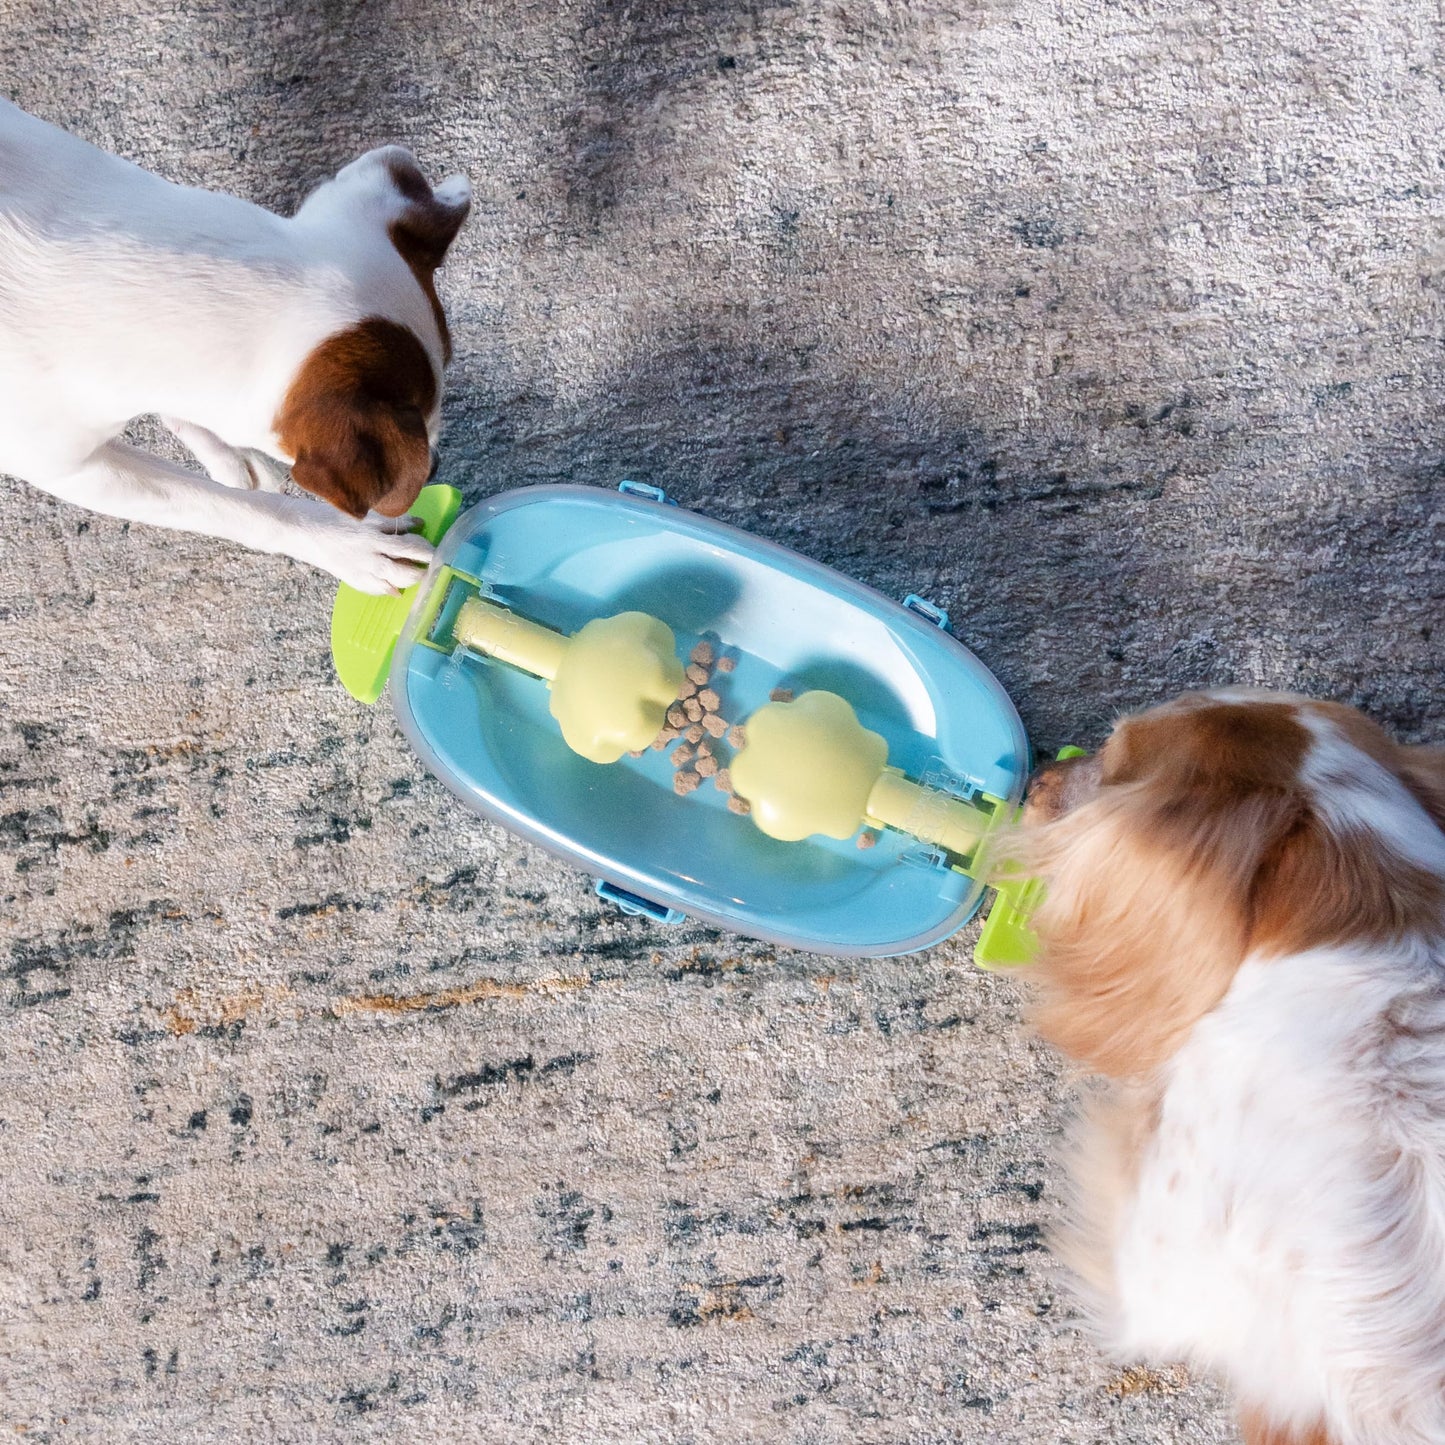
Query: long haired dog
1244	931
316	341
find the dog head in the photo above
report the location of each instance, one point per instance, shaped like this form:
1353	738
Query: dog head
360	418
1218	827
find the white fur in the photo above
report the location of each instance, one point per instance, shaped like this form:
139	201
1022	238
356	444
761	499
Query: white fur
1287	1226
123	295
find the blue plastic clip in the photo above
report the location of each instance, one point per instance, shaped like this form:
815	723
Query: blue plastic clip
646	491
927	611
635	905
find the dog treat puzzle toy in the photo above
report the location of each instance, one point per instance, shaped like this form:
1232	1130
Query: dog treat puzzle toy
576	664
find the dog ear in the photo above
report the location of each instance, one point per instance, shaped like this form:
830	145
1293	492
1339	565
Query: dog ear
1422	770
354	419
428	225
1148	909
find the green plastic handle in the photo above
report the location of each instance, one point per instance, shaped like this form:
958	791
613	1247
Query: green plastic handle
365	627
1007	938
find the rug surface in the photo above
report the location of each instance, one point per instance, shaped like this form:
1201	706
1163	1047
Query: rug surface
328	1111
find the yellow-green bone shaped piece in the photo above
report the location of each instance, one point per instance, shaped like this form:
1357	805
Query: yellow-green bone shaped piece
810	767
611	682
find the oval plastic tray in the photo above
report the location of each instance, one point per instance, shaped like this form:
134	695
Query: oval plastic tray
563	555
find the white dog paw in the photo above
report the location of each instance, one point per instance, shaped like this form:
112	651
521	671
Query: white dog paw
376	554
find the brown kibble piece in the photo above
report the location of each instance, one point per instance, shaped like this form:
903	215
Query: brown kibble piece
688	689
706	765
693	708
738	735
703	654
681	754
739	805
726	664
697	674
781	694
676	717
704	748
693	734
867	838
723	780
715	725
637	752
709	699
684	782
663	738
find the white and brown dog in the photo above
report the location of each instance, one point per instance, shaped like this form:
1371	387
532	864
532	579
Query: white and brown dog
1245	931
316	341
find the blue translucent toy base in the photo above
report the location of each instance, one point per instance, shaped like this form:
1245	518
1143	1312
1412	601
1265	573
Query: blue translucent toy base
564	555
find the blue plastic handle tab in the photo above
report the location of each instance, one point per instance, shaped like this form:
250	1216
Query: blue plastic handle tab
647	491
927	611
635	905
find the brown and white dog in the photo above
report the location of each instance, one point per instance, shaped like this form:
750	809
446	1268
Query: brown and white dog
316	341
1244	931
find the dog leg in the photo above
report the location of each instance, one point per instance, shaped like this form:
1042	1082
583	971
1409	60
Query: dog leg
375	554
223	463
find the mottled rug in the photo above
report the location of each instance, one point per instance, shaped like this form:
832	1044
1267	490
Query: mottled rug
329	1112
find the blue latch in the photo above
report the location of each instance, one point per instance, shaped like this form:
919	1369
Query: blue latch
926	610
647	491
636	905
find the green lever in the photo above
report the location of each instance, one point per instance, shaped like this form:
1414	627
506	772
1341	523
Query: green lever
1007	938
365	628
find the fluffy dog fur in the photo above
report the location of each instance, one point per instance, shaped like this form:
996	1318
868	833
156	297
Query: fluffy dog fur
1244	932
316	341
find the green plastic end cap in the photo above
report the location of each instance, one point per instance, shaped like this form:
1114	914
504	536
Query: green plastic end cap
364	627
1007	939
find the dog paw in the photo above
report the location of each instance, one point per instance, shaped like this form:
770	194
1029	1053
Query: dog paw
377	554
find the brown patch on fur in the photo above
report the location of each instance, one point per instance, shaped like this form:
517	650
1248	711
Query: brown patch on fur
354	419
424	233
1192	843
1258	1429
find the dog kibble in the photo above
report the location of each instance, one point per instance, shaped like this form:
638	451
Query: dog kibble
676	717
693	734
726	664
738	735
681	754
706	765
723	780
867	838
781	694
688	689
713	724
684	782
693	708
739	805
703	654
697	674
710	701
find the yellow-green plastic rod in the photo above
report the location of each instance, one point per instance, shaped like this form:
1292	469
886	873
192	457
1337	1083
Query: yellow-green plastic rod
926	814
611	682
510	637
810	767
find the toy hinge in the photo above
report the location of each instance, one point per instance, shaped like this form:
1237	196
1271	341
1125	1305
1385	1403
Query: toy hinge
926	610
646	491
636	905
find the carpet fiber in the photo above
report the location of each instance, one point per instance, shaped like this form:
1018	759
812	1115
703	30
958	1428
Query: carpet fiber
328	1111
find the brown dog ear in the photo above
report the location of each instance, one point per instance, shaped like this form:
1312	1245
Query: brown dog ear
425	230
354	420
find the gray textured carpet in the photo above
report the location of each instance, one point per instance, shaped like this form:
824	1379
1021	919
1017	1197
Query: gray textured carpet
1116	329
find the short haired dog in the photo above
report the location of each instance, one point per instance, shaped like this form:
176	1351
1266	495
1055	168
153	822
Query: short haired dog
315	340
